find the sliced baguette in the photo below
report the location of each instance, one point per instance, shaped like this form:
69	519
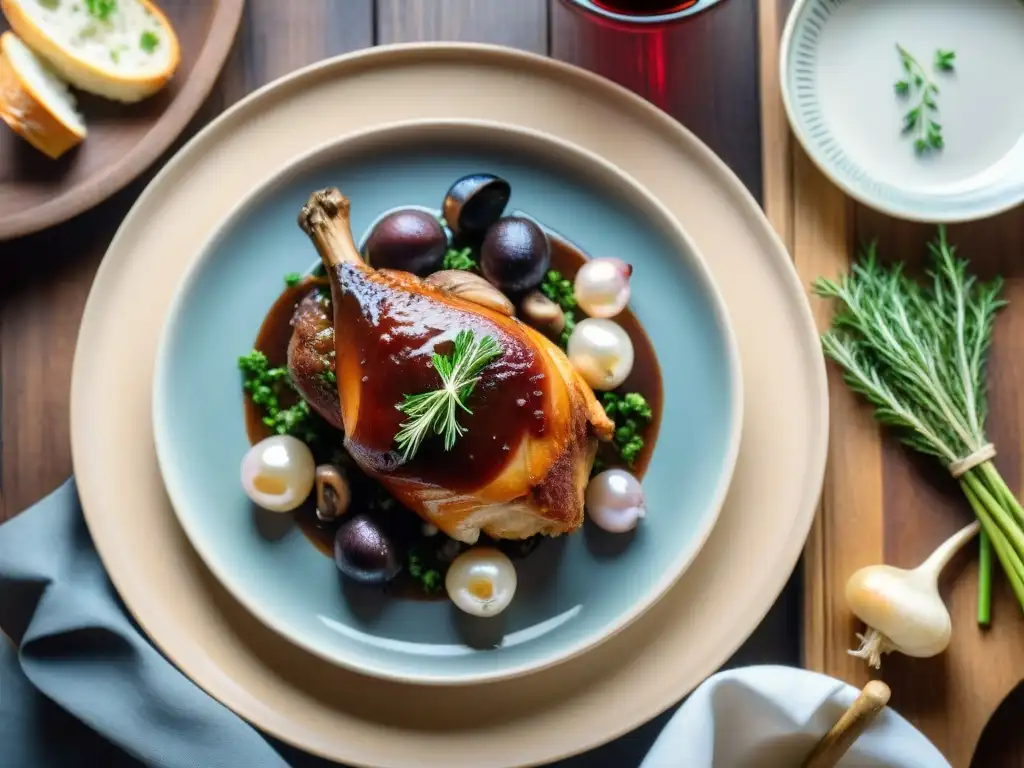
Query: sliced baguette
124	50
35	102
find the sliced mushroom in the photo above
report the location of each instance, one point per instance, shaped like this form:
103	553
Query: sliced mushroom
332	493
472	287
542	313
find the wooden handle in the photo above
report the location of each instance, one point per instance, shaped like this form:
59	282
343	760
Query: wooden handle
833	745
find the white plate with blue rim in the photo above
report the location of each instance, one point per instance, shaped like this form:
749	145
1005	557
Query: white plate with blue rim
909	106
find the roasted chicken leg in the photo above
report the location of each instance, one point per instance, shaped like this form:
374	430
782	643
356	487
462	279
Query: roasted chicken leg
522	464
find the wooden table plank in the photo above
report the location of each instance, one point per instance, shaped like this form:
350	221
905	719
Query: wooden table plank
520	24
46	277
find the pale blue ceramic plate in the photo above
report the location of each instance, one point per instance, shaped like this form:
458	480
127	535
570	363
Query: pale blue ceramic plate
574	591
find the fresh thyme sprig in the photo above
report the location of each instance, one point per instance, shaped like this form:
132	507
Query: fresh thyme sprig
436	412
921	118
917	353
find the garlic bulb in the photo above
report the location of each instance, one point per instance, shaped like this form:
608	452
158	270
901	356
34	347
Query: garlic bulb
903	609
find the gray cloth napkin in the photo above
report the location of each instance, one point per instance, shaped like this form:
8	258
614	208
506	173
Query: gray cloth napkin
82	686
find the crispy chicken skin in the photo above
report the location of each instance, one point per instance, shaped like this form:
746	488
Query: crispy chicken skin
521	467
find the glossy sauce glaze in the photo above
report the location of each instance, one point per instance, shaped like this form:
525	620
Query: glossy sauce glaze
419	338
395	335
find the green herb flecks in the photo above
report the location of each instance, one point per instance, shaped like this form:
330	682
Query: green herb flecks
423	567
920	120
560	290
631	413
459	259
148	41
266	387
944	60
100	9
292	279
436	412
917	352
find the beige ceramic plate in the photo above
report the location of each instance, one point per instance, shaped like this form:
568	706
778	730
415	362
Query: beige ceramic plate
573	706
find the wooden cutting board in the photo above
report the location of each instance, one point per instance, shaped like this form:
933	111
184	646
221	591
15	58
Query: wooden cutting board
881	503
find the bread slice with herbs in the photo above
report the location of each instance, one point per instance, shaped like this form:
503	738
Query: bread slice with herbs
124	50
35	102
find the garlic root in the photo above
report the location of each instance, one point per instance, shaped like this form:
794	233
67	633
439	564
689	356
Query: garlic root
872	645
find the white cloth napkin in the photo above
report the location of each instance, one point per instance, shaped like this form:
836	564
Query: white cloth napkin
771	717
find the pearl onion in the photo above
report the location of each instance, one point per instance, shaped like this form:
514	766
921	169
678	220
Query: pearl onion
602	287
615	501
481	581
278	473
601	351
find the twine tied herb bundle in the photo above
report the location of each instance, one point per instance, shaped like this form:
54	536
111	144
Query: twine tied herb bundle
917	352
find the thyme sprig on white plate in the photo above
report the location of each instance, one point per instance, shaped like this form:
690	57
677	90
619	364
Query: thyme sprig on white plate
436	412
917	352
920	119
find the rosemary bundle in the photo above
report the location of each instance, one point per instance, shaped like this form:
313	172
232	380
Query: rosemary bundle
917	352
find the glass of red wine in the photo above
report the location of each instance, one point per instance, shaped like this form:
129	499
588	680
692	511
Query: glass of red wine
641	12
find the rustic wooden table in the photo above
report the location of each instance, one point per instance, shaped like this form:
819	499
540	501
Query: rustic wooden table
705	72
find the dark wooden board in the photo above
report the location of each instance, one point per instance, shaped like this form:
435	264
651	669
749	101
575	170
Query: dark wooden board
123	139
883	504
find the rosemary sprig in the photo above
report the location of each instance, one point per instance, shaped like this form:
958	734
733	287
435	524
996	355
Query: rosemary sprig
436	412
918	353
920	119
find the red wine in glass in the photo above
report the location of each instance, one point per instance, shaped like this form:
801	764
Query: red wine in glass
641	12
644	7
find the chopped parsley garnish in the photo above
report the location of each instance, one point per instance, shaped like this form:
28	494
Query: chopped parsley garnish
421	567
148	41
459	259
292	279
100	9
631	413
266	386
560	290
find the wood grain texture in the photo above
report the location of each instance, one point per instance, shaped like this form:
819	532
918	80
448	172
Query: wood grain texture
45	278
776	139
520	24
881	503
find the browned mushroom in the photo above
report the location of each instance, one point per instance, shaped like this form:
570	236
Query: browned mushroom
542	313
472	287
332	493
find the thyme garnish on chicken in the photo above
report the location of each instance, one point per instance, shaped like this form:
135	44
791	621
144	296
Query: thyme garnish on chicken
436	412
